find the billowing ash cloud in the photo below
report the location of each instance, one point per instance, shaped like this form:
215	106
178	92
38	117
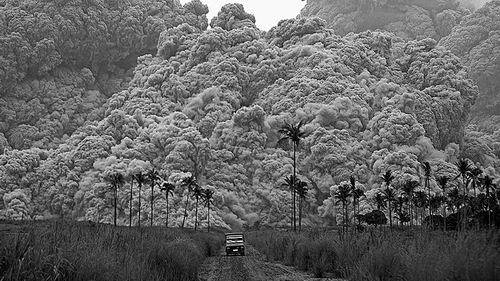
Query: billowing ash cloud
473	4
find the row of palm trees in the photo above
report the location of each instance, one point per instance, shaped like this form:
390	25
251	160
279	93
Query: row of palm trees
152	177
408	201
405	203
342	195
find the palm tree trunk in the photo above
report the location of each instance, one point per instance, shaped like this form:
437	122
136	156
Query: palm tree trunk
410	211
354	213
196	216
429	196
390	213
114	205
185	211
444	217
294	184
140	188
166	197
208	215
464	219
488	206
300	214
130	205
345	217
152	202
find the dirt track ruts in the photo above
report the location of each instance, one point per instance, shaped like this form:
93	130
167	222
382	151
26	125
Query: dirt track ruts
251	267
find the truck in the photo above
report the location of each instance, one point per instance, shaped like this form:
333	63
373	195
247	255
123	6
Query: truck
235	244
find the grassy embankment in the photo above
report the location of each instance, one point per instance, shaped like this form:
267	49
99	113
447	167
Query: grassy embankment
80	251
422	256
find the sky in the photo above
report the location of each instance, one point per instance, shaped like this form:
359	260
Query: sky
267	12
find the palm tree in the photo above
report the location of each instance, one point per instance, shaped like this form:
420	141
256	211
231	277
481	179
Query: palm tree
389	194
379	200
455	200
208	196
290	183
197	194
443	182
426	166
464	168
152	176
141	179
189	183
409	190
301	192
356	194
168	188
293	133
420	201
474	174
342	195
402	215
132	177
116	180
488	185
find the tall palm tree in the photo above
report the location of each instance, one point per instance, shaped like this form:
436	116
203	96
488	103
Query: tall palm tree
388	193
443	183
409	191
474	175
420	201
455	200
153	176
294	134
190	183
464	168
379	200
290	182
168	188
116	180
132	177
426	167
356	195
342	195
197	194
402	215
208	195
141	179
301	192
488	186
389	196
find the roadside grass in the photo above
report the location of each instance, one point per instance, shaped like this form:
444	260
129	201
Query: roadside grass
416	256
58	250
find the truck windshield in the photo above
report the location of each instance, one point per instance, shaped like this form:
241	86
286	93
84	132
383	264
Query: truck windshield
231	239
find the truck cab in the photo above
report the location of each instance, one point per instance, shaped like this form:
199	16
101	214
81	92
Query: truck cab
235	244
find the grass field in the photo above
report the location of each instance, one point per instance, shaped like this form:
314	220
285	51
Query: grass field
79	251
420	256
57	250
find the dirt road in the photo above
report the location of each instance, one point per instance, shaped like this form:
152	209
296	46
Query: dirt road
251	267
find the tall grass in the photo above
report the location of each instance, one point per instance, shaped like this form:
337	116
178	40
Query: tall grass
74	251
422	256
